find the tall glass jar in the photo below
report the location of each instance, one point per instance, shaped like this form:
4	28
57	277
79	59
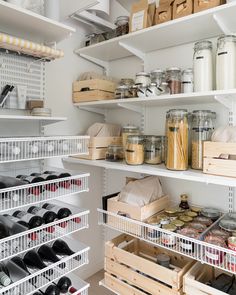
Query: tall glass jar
202	127
134	152
226	62
173	77
203	66
153	150
187	81
177	140
128	130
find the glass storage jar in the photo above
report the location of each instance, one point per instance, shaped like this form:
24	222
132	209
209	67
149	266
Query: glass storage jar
128	130
153	150
187	81
127	81
143	79
122	23
177	140
203	66
134	152
202	128
114	153
122	91
164	88
226	62
173	78
157	76
163	147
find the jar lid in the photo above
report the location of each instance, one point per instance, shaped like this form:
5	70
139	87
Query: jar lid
126	81
189	232
136	138
152	138
200	227
218	241
173	69
188	71
170	227
185	218
219	232
122	18
184	197
157	71
205	220
205	44
178	223
122	87
144	74
229	38
162	258
130	127
191	214
171	210
196	209
228	224
211	212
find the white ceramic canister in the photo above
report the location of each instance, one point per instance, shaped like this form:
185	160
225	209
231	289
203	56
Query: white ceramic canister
203	66
226	62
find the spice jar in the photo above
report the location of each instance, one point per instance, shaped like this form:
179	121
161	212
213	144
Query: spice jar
214	256
177	140
114	153
187	81
184	202
153	150
168	239
122	91
226	62
134	152
122	23
157	76
143	79
128	130
202	128
203	66
173	77
185	244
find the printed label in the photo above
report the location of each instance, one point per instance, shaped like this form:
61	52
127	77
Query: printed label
186	246
212	256
138	20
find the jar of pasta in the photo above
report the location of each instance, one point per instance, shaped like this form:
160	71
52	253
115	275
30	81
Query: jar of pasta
177	140
153	150
134	152
128	130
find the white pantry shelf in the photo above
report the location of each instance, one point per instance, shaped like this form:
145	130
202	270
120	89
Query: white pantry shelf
205	24
41	119
158	170
224	96
29	25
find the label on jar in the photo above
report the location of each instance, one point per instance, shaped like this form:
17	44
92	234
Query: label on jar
212	256
168	240
138	20
186	246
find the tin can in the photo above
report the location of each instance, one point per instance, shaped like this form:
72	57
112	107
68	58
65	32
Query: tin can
153	233
214	256
168	239
185	244
232	258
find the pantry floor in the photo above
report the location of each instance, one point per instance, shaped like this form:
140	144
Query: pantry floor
95	289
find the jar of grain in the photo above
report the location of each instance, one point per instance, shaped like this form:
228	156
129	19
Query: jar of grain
153	150
202	128
177	140
134	152
173	77
128	130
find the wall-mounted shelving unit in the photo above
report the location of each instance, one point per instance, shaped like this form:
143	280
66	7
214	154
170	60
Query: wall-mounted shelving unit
23	118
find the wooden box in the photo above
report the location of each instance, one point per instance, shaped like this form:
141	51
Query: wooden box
164	13
215	158
92	95
134	261
182	8
200	5
98	147
196	278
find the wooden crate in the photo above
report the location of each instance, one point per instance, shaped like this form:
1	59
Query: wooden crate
134	261
212	164
94	84
197	276
92	95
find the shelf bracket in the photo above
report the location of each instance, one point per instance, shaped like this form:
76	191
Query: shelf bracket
101	63
131	107
221	24
227	100
93	110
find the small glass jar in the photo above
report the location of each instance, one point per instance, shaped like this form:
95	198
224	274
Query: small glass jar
177	140
164	88
122	91
168	239
157	76
114	153
187	81
143	79
134	152
202	129
141	91
185	244
122	23
153	150
128	130
127	81
133	90
173	78
96	38
184	202
214	256
152	90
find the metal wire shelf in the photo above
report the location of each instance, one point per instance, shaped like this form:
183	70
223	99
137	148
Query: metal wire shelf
213	255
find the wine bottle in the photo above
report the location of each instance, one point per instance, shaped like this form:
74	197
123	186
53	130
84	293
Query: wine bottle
64	184
4	230
61	248
14	225
62	212
47	254
33	179
5	182
64	284
19	262
33	261
15	272
50	290
32	221
4	278
46	215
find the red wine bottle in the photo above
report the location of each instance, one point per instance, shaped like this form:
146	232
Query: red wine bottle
47	254
62	212
33	179
33	260
14	225
64	184
52	186
46	215
64	284
32	221
50	290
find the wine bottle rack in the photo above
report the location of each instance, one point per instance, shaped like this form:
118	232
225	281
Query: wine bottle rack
36	148
18	197
33	238
222	258
50	273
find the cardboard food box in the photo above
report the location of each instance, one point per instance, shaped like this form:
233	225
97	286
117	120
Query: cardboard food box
142	15
200	5
182	8
164	13
32	104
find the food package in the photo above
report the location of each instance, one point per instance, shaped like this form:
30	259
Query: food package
141	192
224	134
182	8
200	5
104	130
164	13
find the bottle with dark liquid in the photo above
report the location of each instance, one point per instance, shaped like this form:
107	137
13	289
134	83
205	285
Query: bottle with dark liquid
64	184
64	284
61	248
50	290
33	179
33	261
62	212
52	186
46	215
184	202
32	221
4	277
47	254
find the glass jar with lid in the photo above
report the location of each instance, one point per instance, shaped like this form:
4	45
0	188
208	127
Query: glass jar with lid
134	152
122	23
202	128
173	77
127	81
143	79
157	76
203	66
187	81
122	91
153	150
177	139
164	88
114	153
163	147
226	62
129	130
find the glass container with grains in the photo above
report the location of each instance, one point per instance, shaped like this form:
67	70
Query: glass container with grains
134	152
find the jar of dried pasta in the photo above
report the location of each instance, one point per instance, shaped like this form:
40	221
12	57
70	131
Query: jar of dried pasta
177	139
134	152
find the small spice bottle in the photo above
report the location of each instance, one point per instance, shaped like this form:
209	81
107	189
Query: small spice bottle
184	202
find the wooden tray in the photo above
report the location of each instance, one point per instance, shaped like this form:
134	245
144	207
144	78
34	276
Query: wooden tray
94	84
92	95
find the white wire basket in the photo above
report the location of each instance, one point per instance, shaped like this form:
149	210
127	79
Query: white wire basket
219	257
20	196
40	278
30	239
33	148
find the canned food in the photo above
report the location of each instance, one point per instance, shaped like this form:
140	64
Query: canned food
232	258
186	218
168	240
212	213
178	223
200	227
191	214
153	233
214	256
185	244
